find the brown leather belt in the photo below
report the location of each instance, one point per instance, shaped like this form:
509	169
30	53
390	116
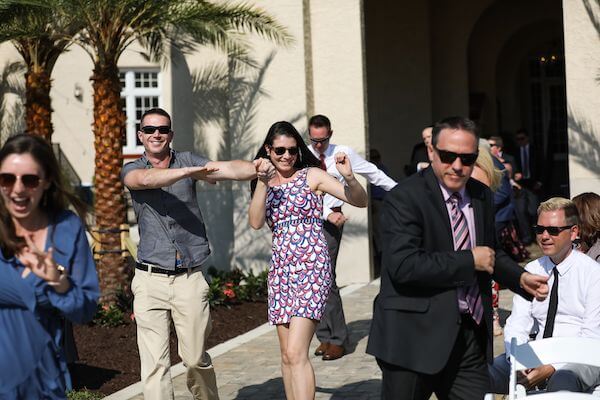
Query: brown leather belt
336	209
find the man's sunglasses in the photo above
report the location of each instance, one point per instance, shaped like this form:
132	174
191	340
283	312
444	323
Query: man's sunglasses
448	157
552	230
149	129
315	140
30	181
281	150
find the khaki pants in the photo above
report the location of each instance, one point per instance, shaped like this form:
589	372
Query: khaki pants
157	299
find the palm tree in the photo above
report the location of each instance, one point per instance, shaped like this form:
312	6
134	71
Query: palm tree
40	38
110	26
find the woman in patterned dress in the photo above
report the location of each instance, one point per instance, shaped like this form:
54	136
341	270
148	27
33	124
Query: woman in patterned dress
291	202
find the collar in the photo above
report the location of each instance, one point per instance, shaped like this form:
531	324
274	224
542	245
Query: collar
446	193
328	152
149	164
562	267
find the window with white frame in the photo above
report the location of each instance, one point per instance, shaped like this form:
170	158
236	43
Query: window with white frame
140	91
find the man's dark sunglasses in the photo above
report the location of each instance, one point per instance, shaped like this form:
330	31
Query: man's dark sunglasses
149	129
281	150
30	181
315	140
552	230
448	157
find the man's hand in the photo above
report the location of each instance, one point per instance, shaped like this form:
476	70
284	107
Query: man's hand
535	285
342	163
484	258
337	218
201	173
533	377
265	171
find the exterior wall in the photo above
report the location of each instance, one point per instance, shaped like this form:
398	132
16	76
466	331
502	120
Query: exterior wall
340	93
582	54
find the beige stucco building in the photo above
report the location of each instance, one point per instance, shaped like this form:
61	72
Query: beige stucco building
381	70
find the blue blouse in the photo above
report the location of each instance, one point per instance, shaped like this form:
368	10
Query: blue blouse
66	235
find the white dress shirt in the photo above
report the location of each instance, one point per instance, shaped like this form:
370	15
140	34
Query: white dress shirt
359	165
578	312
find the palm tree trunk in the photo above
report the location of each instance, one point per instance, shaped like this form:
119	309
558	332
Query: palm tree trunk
109	129
38	110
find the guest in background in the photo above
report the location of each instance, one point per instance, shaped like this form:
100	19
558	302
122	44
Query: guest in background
419	158
44	242
588	206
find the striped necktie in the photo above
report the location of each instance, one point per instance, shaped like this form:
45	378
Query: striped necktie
462	241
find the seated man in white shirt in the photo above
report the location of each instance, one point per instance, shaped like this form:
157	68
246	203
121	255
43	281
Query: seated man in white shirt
571	310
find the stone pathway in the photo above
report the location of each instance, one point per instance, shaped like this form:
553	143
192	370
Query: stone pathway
248	366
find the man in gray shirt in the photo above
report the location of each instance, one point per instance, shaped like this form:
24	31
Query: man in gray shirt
168	282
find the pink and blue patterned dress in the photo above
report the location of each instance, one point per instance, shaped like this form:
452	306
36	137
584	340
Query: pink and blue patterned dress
300	272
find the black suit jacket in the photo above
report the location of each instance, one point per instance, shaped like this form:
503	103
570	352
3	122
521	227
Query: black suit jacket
416	318
534	166
512	161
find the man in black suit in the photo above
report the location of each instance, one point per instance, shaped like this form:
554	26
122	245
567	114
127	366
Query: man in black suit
526	178
432	320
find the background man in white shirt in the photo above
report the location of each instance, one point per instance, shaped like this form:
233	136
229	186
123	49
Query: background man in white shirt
332	331
571	310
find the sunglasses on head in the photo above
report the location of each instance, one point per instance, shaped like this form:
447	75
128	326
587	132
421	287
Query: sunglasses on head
30	181
281	150
552	230
149	129
315	140
448	157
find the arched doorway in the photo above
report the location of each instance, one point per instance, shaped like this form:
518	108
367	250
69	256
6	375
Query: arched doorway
517	81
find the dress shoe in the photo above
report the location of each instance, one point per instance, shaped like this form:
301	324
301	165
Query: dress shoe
333	352
321	349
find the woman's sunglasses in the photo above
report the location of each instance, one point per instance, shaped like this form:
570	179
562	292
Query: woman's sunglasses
30	181
552	230
149	129
281	150
448	157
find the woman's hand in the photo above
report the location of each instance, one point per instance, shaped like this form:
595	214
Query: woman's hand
265	171
342	163
42	264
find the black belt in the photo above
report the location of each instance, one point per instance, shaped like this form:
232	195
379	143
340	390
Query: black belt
157	270
336	209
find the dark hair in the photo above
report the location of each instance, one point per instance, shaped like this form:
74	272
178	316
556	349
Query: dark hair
498	140
462	123
57	198
319	121
158	111
283	128
588	206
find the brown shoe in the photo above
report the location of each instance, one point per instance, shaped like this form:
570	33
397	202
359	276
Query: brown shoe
333	352
321	349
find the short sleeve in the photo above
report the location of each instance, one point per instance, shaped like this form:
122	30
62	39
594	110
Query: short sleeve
197	160
130	166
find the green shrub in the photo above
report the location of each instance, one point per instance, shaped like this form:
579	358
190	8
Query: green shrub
83	395
231	287
109	315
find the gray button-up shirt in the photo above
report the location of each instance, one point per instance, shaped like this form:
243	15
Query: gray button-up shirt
169	218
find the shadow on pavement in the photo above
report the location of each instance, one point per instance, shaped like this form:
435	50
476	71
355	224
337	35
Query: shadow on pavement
271	389
357	390
357	330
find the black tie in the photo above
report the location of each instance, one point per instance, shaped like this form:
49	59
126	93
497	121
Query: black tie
549	328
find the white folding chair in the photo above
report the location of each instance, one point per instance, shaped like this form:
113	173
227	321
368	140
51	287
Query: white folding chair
551	351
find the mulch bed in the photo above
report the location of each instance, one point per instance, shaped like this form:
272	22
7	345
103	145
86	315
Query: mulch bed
109	358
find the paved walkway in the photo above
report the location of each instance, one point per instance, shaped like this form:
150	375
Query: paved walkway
248	366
